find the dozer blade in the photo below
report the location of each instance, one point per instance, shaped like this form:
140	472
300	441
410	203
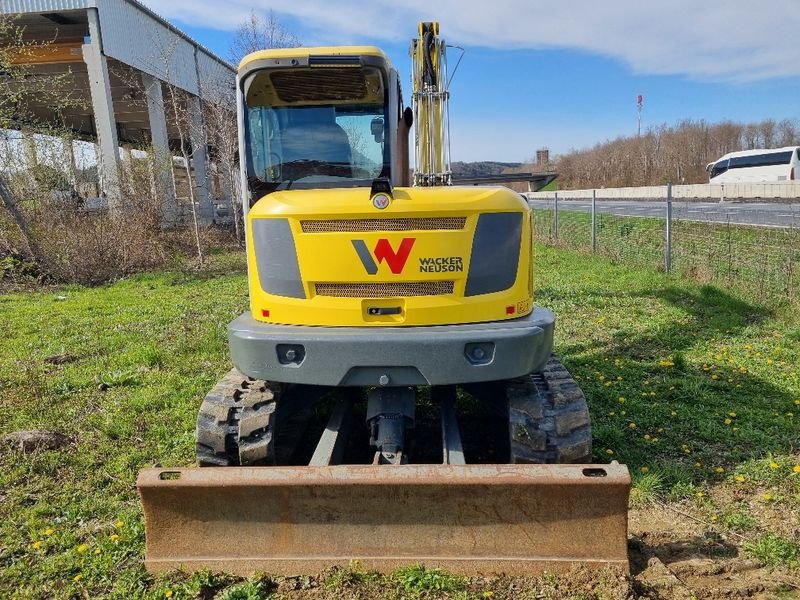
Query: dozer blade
469	519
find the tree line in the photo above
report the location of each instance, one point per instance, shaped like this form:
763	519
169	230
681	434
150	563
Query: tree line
675	154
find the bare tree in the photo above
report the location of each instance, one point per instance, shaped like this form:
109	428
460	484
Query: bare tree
223	136
677	154
258	33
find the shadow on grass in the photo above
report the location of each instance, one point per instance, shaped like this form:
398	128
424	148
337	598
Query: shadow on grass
680	395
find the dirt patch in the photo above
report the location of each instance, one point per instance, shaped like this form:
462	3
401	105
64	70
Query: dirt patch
674	556
30	441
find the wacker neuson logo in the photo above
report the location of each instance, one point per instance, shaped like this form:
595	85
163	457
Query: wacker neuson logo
384	252
442	264
397	259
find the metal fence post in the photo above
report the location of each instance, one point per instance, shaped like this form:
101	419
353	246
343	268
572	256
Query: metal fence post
594	220
555	217
668	257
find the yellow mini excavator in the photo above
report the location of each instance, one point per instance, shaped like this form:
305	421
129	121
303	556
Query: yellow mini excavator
394	398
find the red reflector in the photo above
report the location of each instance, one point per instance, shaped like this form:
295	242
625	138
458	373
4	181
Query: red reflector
264	312
510	310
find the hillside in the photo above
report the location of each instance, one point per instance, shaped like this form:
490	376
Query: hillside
481	168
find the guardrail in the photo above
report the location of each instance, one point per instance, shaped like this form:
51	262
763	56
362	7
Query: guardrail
721	191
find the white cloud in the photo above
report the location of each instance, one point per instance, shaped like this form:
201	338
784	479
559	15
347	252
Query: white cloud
731	40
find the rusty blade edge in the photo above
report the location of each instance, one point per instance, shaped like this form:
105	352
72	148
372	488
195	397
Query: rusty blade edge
422	475
400	558
463	566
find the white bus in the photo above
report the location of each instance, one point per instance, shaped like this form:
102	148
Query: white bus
751	166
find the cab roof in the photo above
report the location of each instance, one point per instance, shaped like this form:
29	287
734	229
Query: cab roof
306	52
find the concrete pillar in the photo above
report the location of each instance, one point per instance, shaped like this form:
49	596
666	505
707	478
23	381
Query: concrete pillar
163	182
200	159
69	160
103	109
29	147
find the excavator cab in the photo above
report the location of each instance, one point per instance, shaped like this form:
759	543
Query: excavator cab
394	398
324	120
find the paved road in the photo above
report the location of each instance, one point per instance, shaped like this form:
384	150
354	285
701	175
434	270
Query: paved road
772	214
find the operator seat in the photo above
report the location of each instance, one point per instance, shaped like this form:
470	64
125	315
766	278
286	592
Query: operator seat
314	144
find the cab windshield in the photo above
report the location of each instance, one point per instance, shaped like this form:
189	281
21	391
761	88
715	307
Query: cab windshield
315	128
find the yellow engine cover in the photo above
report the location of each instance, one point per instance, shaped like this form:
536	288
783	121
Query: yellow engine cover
432	256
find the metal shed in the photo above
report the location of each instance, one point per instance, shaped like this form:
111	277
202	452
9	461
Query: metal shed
120	57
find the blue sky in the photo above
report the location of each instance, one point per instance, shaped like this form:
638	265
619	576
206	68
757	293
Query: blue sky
561	74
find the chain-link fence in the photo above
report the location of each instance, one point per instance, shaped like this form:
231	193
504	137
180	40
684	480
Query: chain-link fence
753	247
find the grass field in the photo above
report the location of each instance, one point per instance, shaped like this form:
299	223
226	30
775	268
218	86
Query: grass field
696	390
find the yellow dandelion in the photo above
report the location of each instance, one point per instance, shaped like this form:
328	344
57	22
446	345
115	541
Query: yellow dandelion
796	468
735	429
168	594
646	382
715	376
660	430
769	361
767	497
728	421
619	378
644	469
789	414
621	399
120	524
114	537
654	440
700	494
77	578
797	402
488	594
712	518
646	436
607	384
732	414
36	545
774	466
609	451
632	425
673	414
719	470
622	413
49	531
611	413
96	551
698	464
652	393
82	548
739	478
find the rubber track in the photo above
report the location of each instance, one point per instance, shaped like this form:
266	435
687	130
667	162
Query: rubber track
236	422
548	418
